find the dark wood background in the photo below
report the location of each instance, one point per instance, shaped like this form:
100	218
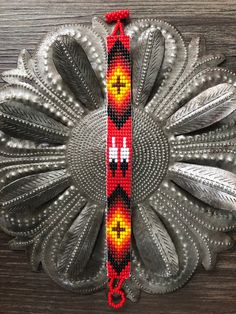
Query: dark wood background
22	24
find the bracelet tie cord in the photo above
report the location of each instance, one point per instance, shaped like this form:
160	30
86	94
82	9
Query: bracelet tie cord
118	158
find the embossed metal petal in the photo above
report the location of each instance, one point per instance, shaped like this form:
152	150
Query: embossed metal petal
78	242
76	71
174	61
216	187
207	108
155	246
205	224
147	57
188	255
34	189
22	121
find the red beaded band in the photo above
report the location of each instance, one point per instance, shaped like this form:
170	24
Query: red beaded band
116	16
118	159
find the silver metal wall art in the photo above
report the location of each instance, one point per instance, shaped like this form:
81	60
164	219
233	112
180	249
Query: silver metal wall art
52	156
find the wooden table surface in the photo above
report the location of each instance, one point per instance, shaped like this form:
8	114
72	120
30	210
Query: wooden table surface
22	24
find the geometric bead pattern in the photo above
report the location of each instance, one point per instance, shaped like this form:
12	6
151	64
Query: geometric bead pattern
118	157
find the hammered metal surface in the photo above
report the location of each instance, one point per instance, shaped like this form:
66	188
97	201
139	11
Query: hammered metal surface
52	157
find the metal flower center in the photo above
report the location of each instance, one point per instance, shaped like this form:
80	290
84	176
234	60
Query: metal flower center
87	149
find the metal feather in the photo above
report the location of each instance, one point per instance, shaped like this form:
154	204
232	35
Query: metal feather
29	222
79	240
19	120
205	109
205	225
195	84
61	208
154	243
75	69
171	102
212	185
35	189
188	256
90	280
147	60
174	61
209	217
13	172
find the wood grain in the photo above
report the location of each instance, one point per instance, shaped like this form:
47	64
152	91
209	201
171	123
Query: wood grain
22	24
